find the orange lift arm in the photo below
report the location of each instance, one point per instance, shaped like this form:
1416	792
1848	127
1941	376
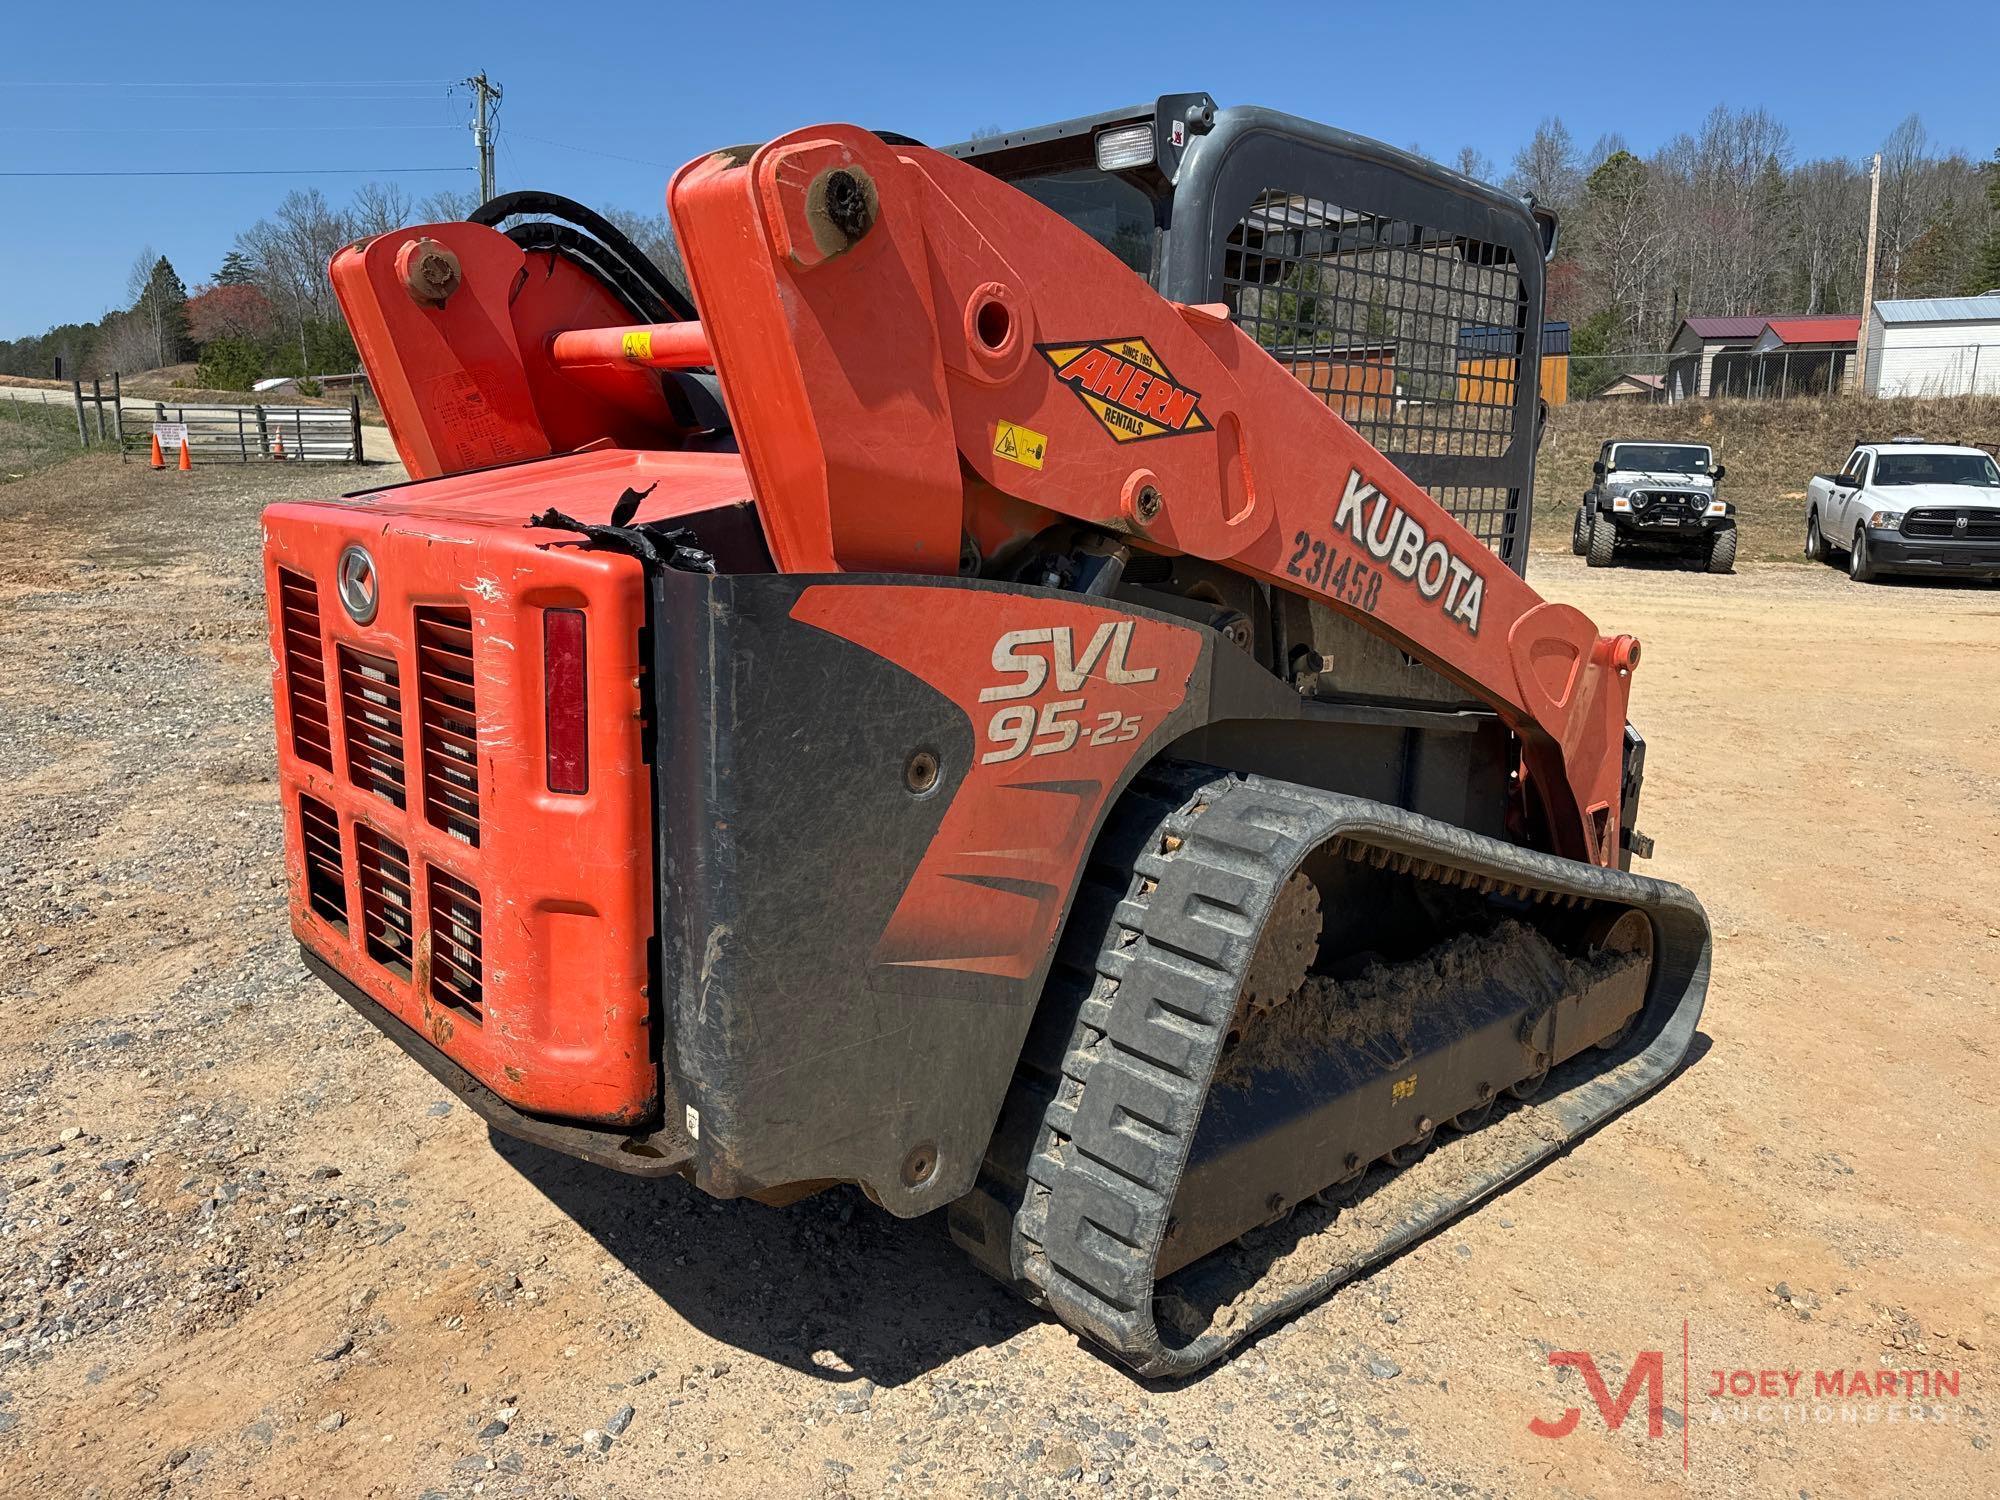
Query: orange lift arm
897	333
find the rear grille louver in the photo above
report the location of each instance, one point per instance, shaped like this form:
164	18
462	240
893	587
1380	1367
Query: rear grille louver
446	962
448	721
457	973
371	710
305	668
326	873
388	926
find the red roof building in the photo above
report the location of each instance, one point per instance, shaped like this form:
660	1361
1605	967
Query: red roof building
1699	343
1789	354
1813	333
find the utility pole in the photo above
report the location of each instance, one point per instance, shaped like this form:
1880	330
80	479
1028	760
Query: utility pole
482	129
1868	277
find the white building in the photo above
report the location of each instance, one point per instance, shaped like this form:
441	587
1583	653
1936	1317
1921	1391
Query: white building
1935	346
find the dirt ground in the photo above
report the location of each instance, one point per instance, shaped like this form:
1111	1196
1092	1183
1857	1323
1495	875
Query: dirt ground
247	1248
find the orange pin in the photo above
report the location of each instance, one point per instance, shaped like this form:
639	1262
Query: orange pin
185	465
159	458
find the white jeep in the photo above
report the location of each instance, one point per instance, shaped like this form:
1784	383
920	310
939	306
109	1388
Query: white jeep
1655	497
1908	506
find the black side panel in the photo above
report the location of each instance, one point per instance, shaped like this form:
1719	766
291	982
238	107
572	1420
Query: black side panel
787	835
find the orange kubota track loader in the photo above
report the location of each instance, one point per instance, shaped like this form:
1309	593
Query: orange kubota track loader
1016	691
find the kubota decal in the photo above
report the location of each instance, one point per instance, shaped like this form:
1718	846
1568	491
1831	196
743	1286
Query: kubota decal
1061	698
1399	545
1127	387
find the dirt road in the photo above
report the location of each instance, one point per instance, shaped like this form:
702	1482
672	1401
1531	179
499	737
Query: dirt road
246	1248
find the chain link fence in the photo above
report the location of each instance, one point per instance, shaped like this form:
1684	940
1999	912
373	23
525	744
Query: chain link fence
1923	371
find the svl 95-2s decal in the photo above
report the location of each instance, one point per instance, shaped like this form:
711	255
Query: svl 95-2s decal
1059	724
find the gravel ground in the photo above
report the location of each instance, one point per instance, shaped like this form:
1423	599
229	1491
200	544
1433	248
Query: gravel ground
247	1248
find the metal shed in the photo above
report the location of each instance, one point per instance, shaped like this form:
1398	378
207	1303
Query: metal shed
1935	346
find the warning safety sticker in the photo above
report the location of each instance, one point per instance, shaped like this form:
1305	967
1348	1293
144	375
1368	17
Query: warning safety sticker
1021	445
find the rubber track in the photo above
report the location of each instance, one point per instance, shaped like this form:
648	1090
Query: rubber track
1130	1030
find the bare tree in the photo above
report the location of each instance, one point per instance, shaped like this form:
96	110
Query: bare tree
159	304
126	341
654	236
1546	168
140	274
1476	164
380	207
1720	194
1618	240
447	204
290	251
1830	208
1909	197
1608	145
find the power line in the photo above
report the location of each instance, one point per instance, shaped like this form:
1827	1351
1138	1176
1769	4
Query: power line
266	99
589	150
205	129
254	172
280	83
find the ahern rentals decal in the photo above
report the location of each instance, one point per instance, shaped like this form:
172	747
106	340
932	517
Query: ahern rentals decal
1127	388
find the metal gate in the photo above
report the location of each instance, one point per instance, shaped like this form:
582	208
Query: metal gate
247	434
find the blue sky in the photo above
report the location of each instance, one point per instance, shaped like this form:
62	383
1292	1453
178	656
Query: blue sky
663	83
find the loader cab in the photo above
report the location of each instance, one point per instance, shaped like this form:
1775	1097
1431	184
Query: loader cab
1406	296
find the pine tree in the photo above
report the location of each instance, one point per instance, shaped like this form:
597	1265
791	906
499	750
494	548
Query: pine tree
1941	257
162	303
1986	269
236	270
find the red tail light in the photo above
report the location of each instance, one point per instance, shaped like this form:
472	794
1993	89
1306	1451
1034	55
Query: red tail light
568	705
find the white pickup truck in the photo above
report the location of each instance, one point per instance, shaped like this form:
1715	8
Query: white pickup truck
1908	506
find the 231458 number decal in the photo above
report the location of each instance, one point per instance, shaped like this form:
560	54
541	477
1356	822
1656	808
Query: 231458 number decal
1323	567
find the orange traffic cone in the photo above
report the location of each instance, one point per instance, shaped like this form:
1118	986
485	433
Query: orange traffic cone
280	453
159	459
185	465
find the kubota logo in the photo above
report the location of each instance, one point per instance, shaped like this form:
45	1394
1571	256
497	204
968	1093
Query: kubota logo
1127	388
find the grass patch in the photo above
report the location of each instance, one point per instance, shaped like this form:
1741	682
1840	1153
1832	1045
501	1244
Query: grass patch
33	436
1771	447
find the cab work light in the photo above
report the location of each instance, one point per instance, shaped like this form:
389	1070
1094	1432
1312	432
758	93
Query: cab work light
1125	146
566	699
